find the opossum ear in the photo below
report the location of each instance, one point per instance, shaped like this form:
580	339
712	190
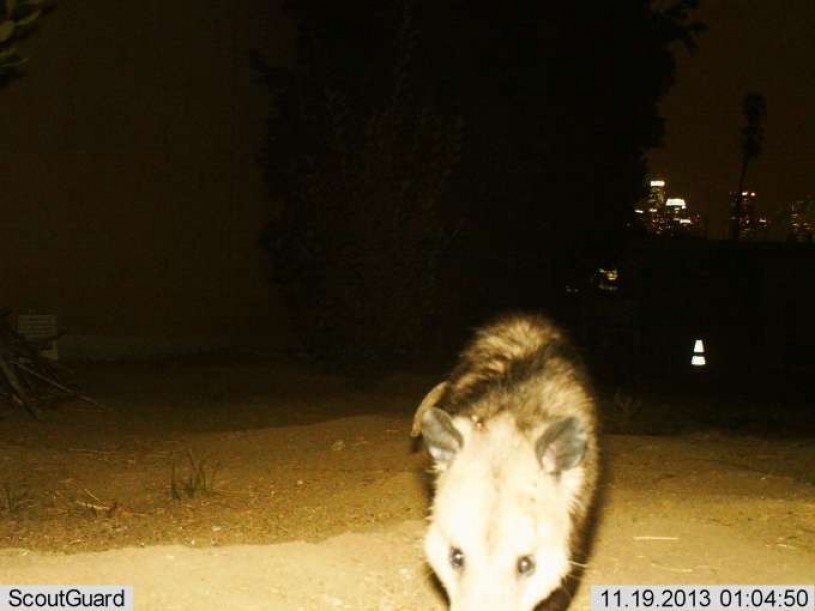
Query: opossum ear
562	446
440	434
430	400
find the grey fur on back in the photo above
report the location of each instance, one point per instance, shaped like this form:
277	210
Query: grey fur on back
524	357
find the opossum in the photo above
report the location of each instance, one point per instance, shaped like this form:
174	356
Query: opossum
513	435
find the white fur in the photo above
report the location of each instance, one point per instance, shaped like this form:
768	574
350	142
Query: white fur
496	504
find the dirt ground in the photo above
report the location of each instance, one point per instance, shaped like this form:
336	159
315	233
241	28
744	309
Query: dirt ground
255	485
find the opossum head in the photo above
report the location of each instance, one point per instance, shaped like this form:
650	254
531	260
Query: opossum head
501	523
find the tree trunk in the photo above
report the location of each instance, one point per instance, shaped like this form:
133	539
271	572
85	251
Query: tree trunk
738	208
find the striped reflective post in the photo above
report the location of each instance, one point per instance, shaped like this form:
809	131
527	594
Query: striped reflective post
698	358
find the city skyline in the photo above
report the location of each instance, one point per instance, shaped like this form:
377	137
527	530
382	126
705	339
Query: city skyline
665	213
750	45
659	214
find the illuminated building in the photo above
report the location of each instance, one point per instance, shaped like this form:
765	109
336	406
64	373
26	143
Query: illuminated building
657	195
676	210
752	225
606	279
661	215
802	220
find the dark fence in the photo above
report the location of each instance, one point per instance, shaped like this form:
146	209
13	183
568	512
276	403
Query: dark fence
752	304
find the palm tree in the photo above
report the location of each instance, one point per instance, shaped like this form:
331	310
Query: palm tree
754	107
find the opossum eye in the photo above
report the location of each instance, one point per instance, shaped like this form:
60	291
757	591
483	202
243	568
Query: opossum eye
456	558
526	565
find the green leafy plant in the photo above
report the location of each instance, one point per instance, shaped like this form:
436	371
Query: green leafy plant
754	107
17	18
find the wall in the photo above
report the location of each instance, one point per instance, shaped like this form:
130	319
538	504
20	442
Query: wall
130	201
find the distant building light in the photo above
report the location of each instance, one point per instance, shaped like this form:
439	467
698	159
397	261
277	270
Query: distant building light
698	358
685	221
606	279
639	211
676	201
657	183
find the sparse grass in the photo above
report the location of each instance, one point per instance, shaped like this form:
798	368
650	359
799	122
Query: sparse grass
200	479
627	407
14	498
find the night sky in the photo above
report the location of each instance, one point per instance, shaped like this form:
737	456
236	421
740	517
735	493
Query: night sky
764	46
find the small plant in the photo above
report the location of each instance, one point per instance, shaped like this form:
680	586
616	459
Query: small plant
626	406
200	479
14	498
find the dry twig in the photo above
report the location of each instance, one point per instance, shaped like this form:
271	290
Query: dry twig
26	377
